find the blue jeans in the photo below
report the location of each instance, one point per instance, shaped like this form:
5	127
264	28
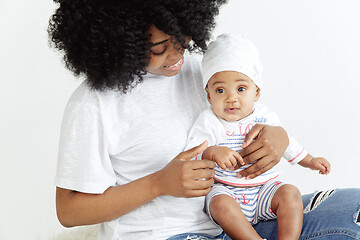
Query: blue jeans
328	215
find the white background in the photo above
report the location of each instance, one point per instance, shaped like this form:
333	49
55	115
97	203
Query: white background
310	52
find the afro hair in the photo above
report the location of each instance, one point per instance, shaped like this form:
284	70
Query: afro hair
107	41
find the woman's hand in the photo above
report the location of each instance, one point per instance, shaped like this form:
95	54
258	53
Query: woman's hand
184	178
266	144
180	178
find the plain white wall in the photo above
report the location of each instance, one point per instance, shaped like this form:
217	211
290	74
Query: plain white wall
310	52
34	87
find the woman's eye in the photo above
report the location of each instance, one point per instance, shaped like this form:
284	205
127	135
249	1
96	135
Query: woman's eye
220	90
158	52
241	89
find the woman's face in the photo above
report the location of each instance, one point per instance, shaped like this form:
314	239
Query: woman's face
165	59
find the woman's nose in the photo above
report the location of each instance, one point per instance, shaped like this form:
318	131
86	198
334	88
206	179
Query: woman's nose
175	50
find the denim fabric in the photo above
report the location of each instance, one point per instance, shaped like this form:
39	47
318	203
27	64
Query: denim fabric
198	236
333	217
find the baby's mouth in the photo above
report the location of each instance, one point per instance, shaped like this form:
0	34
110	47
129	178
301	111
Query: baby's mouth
231	110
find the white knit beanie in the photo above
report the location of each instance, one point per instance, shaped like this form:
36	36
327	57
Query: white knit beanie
232	52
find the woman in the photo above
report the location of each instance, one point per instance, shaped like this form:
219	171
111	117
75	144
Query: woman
124	129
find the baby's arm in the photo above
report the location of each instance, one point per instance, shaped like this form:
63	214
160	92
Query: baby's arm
223	156
317	163
295	151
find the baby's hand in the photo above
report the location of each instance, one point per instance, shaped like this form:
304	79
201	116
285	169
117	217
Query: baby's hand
223	156
316	163
321	164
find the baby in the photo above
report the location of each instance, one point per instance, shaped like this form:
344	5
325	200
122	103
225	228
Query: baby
232	79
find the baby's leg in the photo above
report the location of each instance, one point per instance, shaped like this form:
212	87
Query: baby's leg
226	211
288	207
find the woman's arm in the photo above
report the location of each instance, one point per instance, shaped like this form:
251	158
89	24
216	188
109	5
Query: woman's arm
76	208
180	178
266	144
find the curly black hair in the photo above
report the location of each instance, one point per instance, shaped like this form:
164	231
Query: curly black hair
107	41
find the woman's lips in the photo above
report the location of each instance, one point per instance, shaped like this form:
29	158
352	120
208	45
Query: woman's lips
175	66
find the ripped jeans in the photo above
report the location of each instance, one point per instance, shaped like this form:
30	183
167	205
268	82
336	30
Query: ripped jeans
328	215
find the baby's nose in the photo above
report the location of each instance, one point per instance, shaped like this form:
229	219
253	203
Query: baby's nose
231	97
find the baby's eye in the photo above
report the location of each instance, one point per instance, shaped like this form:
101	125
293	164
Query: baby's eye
241	89
220	90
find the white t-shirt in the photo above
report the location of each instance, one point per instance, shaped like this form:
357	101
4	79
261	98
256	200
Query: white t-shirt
110	138
219	132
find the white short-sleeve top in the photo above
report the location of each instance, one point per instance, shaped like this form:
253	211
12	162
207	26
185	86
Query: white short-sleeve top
111	138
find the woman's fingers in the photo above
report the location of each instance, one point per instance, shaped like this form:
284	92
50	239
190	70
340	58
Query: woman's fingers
199	184
201	164
183	177
254	153
198	193
194	177
193	152
258	153
274	140
251	136
257	168
201	174
264	144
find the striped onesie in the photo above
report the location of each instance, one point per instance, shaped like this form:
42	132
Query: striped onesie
254	195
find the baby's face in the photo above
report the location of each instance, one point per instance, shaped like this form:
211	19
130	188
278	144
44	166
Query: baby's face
232	95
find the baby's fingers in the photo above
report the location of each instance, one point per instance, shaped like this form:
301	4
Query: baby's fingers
327	168
239	160
231	163
222	165
322	165
318	166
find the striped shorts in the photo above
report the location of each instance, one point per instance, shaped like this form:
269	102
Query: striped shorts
255	202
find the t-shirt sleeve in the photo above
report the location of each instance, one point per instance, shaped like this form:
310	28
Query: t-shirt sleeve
84	164
294	152
203	129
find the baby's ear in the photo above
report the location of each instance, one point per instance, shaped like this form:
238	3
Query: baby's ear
207	94
257	94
